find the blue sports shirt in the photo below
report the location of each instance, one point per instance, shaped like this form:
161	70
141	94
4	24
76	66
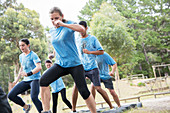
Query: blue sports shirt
63	41
28	63
57	85
103	65
90	43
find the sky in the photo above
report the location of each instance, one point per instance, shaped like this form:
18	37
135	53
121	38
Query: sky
70	8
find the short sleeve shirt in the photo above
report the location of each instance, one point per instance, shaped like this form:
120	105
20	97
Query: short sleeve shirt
28	63
90	43
103	64
63	41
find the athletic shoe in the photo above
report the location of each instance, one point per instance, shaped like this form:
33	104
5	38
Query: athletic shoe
46	111
73	112
28	109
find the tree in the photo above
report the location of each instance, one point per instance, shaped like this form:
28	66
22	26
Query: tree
147	23
110	28
6	4
16	24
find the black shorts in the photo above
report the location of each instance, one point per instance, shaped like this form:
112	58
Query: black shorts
93	75
108	83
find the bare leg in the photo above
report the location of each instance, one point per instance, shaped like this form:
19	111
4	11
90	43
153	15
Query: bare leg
115	97
93	91
104	95
91	104
46	97
74	97
89	101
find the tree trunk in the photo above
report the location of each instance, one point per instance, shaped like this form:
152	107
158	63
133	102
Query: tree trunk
140	67
145	53
16	69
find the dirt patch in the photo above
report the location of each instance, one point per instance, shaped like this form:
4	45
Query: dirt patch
123	89
158	105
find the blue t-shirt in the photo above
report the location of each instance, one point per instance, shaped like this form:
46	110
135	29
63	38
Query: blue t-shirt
63	41
57	85
90	43
28	63
103	64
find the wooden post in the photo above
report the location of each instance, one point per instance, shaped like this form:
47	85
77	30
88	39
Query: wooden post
154	71
159	72
117	78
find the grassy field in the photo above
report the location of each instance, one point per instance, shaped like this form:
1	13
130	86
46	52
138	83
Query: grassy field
124	89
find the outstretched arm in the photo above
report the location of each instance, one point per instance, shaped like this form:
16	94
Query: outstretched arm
74	27
98	52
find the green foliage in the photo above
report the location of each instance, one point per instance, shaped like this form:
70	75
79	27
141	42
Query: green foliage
131	84
4	4
16	23
141	84
41	49
147	22
68	81
109	27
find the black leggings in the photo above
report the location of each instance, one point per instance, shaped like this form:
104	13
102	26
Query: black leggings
55	99
57	71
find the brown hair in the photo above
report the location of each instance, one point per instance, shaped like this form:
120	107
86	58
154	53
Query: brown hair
57	10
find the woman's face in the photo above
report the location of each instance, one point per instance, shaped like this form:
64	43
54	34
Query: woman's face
23	46
55	16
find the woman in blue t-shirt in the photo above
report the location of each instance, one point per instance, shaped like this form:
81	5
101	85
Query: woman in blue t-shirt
30	69
67	60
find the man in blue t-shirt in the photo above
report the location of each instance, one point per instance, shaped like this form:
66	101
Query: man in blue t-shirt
89	47
105	75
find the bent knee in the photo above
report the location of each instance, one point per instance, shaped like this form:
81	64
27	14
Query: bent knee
43	82
98	88
85	94
10	96
64	99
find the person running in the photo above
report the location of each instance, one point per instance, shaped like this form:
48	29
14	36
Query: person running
67	60
4	104
90	47
57	86
30	69
103	62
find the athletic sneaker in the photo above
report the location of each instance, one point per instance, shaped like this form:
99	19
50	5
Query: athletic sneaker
28	109
73	112
46	111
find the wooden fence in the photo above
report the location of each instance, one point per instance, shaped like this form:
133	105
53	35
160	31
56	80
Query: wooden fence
124	99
